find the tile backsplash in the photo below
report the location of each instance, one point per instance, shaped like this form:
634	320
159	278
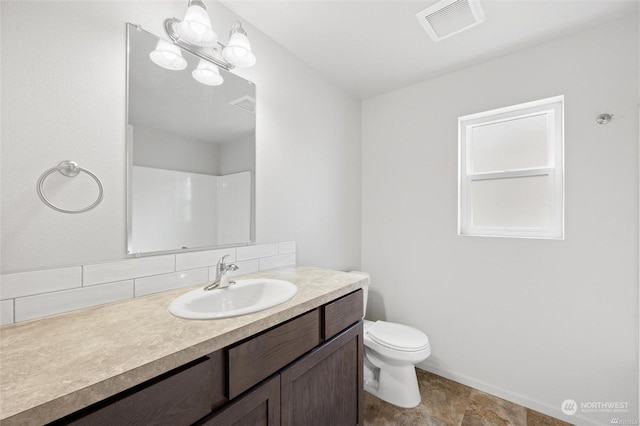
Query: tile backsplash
35	294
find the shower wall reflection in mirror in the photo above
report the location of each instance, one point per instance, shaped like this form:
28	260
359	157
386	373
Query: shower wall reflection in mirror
190	155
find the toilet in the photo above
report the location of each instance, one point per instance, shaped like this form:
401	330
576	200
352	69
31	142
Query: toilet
391	351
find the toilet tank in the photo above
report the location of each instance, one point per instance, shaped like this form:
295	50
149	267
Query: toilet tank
365	290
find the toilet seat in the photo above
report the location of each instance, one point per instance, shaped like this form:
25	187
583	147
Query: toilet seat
391	352
399	337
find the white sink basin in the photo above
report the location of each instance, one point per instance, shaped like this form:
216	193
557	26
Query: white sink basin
244	297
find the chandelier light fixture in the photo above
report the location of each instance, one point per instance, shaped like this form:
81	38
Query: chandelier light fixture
195	34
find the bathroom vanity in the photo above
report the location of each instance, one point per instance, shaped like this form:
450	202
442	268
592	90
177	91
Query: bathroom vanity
297	363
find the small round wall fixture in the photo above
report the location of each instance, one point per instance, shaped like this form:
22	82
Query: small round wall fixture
604	118
70	169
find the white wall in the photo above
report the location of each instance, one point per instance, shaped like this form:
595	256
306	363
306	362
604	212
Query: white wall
234	207
237	156
159	149
173	209
63	97
535	321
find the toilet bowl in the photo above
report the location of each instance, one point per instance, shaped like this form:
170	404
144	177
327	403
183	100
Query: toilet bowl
391	352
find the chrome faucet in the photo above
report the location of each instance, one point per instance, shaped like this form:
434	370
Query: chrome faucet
222	274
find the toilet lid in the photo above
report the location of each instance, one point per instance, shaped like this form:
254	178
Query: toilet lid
398	336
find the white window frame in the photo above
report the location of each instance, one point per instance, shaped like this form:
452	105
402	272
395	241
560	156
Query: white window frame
553	109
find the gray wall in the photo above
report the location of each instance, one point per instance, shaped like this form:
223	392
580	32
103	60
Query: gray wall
63	97
536	321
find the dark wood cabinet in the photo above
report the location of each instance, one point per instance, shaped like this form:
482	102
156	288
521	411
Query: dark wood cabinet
179	397
341	313
305	371
260	356
325	386
259	407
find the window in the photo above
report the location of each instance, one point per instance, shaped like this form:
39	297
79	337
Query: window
511	181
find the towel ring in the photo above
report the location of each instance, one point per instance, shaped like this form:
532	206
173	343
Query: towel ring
70	169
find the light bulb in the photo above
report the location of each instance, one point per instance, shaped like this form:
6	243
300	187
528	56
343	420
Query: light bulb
238	52
207	73
195	28
168	55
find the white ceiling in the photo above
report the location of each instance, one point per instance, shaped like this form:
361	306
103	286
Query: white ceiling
372	47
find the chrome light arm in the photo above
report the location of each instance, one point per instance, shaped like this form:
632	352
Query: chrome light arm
208	53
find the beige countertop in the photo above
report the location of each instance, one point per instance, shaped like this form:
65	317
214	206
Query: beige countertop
53	366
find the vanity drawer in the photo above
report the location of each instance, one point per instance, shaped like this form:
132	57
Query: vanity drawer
341	313
262	355
179	397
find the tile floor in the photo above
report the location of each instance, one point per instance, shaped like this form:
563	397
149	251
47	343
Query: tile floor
447	403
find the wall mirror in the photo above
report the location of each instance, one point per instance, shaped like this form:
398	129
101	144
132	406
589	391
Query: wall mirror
190	154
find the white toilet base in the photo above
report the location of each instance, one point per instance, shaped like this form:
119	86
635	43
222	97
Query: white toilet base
398	385
391	352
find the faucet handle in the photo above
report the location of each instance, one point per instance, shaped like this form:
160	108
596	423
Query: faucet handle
222	278
221	263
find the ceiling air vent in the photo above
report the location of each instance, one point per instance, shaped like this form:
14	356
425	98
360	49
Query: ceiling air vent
247	103
449	17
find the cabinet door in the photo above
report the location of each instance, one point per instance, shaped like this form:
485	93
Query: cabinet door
325	386
341	313
258	407
260	356
176	398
